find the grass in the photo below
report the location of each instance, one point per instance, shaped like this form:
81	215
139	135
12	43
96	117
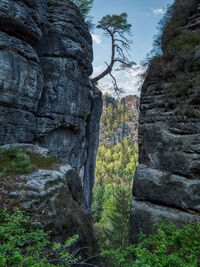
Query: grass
15	160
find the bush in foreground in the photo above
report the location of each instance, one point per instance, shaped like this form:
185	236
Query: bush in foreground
169	247
23	244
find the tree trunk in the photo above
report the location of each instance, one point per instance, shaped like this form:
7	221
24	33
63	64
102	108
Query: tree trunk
110	66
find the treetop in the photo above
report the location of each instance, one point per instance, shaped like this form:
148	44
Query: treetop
115	23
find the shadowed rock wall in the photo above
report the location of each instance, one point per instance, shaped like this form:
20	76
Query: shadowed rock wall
167	180
46	97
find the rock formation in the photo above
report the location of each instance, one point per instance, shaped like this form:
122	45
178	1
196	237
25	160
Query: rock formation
46	99
167	180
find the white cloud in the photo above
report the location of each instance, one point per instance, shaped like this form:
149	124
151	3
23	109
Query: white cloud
159	11
130	81
97	38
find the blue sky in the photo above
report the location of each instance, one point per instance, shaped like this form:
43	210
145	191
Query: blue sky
144	16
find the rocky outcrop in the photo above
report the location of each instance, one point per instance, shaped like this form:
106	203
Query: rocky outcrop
46	97
47	100
54	200
167	180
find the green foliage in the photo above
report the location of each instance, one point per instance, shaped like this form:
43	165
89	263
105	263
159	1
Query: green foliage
116	164
185	42
97	204
115	167
112	227
52	2
115	23
170	27
42	162
116	214
84	6
116	27
15	160
24	244
115	115
169	247
175	17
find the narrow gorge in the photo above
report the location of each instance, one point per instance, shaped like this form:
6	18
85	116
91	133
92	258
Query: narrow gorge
52	119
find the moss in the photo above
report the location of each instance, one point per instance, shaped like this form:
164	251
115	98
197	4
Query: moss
15	160
185	42
183	86
52	2
42	162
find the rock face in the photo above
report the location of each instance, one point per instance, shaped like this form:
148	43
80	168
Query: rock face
46	97
167	180
47	100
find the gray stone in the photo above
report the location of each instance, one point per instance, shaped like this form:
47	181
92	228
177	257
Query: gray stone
167	180
145	214
167	189
41	151
46	97
49	106
54	199
23	18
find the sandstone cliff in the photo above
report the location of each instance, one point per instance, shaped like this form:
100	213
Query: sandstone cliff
167	180
46	99
45	94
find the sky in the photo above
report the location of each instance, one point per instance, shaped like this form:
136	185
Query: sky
144	16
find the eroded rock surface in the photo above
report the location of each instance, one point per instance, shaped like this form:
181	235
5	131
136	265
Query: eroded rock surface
46	97
55	200
167	180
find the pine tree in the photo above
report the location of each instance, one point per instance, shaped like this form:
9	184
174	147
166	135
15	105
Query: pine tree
84	6
96	209
117	231
116	27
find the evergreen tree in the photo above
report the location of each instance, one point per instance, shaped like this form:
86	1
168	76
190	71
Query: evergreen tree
84	6
117	230
116	27
96	209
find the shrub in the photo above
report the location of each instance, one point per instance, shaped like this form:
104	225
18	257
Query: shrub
169	247
23	244
176	17
185	42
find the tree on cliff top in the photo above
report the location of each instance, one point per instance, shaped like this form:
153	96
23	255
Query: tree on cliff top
116	27
84	6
